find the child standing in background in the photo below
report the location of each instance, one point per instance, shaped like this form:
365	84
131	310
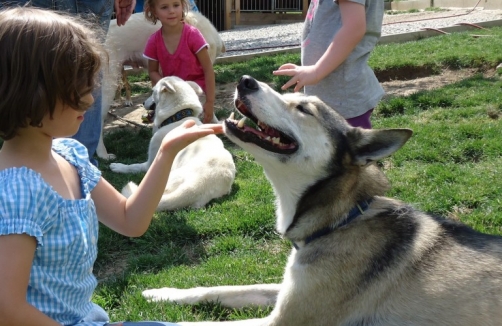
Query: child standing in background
51	196
338	37
179	49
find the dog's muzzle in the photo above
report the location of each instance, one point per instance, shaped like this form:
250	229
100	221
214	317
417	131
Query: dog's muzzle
247	85
149	103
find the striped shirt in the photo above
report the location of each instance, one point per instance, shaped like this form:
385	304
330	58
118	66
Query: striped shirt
61	281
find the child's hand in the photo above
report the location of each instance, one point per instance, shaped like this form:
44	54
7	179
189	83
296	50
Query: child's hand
301	75
187	133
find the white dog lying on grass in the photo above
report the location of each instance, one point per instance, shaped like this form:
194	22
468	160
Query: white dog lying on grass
204	170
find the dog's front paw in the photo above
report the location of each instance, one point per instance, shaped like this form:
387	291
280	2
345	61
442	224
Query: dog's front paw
118	167
180	296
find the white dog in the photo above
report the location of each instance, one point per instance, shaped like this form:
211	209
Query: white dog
125	45
204	170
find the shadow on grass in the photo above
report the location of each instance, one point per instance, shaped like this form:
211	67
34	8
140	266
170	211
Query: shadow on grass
170	239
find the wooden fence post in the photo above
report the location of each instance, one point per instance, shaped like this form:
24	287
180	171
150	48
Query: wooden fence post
237	12
305	8
228	14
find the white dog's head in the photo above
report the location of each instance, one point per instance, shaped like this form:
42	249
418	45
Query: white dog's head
172	95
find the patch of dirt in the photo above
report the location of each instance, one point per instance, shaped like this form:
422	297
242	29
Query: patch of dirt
117	264
126	116
397	85
404	86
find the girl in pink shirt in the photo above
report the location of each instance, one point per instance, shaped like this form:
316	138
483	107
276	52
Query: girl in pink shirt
179	49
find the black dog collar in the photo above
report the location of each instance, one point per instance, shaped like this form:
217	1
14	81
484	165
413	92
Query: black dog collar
355	212
180	115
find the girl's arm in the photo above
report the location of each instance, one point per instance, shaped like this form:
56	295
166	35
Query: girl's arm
154	72
16	257
131	216
350	34
207	66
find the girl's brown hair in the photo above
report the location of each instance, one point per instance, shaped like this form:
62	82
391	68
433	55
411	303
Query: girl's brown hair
45	57
149	5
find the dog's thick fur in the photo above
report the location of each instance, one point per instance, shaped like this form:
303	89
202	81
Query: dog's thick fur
390	266
202	171
125	45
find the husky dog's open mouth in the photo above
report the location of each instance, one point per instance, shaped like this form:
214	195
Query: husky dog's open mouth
260	133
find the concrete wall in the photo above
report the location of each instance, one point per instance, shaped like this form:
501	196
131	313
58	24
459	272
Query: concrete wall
458	3
407	5
422	4
492	4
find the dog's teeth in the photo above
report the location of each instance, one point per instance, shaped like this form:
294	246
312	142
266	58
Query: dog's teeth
276	140
232	116
267	138
240	124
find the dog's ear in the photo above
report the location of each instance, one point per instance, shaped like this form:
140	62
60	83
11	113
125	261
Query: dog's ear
368	146
196	88
167	86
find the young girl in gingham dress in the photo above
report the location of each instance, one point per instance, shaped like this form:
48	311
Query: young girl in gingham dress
50	194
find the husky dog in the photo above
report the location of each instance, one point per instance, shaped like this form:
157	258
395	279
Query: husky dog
202	171
125	45
359	258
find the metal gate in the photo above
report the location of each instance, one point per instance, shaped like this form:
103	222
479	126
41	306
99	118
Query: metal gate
270	5
214	10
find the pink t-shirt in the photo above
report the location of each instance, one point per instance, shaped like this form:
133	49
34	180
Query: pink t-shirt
183	63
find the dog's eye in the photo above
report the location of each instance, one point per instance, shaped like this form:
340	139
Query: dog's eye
302	109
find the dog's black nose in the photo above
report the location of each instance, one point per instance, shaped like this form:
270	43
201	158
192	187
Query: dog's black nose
247	84
149	104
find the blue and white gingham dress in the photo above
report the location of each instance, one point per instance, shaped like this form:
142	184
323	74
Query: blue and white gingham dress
61	280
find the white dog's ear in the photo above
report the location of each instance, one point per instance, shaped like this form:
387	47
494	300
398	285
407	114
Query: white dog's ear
368	146
196	88
166	86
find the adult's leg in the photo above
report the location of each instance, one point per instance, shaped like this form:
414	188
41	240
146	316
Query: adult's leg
90	129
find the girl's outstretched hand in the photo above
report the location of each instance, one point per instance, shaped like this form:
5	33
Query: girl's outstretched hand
300	75
187	133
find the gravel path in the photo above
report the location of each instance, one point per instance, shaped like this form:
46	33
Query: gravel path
252	39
